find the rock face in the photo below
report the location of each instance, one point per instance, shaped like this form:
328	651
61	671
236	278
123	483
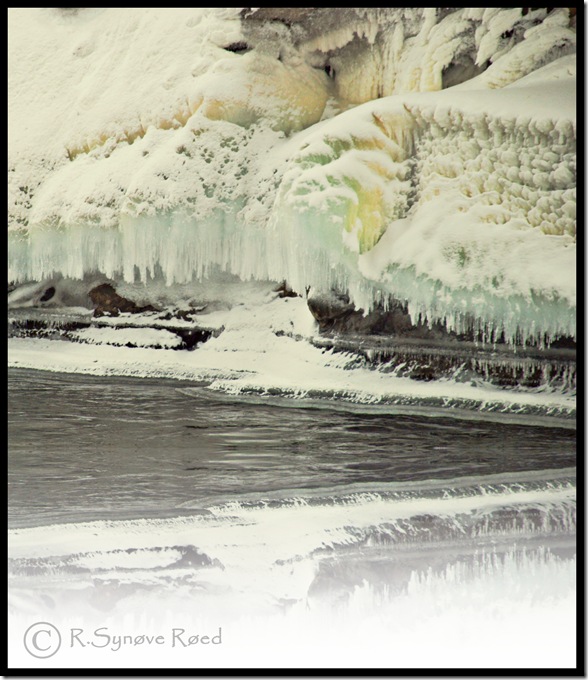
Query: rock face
288	15
336	314
284	290
388	338
108	301
48	294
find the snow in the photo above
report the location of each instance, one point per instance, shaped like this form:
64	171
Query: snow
277	591
264	350
314	526
140	148
519	612
465	175
143	152
128	337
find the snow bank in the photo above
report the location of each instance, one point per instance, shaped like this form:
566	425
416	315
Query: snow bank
262	351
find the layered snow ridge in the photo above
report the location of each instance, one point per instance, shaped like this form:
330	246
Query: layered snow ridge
168	144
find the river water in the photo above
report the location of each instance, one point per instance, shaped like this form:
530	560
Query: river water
133	497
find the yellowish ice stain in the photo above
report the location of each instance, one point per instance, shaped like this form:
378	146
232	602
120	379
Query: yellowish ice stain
366	217
179	119
368	213
294	98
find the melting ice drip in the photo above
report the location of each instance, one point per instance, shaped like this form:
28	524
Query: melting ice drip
461	203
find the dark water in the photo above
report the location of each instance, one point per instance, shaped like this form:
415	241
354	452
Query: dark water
84	447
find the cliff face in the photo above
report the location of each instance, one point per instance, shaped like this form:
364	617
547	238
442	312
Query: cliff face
86	85
420	163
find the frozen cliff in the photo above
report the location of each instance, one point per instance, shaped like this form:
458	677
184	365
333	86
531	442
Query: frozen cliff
421	156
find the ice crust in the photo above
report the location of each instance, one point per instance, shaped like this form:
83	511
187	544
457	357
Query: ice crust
460	203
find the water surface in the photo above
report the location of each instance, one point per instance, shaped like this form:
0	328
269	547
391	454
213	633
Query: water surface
84	447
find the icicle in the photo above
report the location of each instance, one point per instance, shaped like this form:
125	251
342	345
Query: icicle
435	199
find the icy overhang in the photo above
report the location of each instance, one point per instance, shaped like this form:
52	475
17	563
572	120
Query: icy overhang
142	146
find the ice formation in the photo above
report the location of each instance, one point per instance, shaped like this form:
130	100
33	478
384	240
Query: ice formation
464	569
155	144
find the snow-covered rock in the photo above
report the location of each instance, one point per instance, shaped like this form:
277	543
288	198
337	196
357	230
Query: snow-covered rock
320	148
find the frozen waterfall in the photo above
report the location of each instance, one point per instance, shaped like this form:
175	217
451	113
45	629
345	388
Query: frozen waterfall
150	145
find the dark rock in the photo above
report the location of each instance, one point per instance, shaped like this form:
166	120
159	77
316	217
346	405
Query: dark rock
388	338
48	294
183	314
329	308
461	69
563	343
284	291
237	47
192	337
287	15
108	301
336	314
